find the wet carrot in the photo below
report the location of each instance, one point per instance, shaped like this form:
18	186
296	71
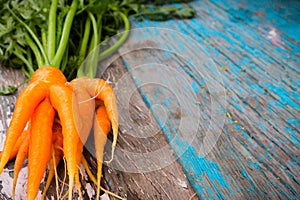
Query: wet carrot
101	129
62	101
39	145
20	157
27	101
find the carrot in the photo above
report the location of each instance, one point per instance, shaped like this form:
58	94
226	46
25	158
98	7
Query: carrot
101	130
57	144
27	101
78	160
57	140
17	145
61	99
20	157
100	89
39	145
48	74
86	106
105	92
19	142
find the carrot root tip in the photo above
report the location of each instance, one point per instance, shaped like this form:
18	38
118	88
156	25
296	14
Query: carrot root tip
112	156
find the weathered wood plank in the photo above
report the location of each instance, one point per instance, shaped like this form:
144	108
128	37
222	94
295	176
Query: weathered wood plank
262	121
237	72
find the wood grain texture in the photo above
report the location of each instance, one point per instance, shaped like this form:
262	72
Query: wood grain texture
257	155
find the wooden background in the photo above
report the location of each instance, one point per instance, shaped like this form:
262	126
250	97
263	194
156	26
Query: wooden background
244	82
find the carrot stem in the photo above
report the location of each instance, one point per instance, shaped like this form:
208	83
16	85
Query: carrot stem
113	48
65	61
83	47
44	37
21	57
35	50
65	34
92	65
52	30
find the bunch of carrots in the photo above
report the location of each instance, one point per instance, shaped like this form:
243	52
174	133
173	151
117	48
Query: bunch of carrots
55	112
52	119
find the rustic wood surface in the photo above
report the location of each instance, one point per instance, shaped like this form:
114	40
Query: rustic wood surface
249	55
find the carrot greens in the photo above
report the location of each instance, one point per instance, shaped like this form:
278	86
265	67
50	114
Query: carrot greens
36	33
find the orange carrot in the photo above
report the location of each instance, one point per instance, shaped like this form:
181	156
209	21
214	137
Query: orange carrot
39	145
17	145
57	144
100	89
27	101
21	156
101	130
105	92
62	101
48	74
86	106
78	160
57	140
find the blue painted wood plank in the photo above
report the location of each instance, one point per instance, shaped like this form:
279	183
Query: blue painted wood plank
262	132
237	74
283	15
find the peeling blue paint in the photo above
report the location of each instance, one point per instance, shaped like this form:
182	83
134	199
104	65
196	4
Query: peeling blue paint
293	135
201	167
195	87
295	122
284	95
